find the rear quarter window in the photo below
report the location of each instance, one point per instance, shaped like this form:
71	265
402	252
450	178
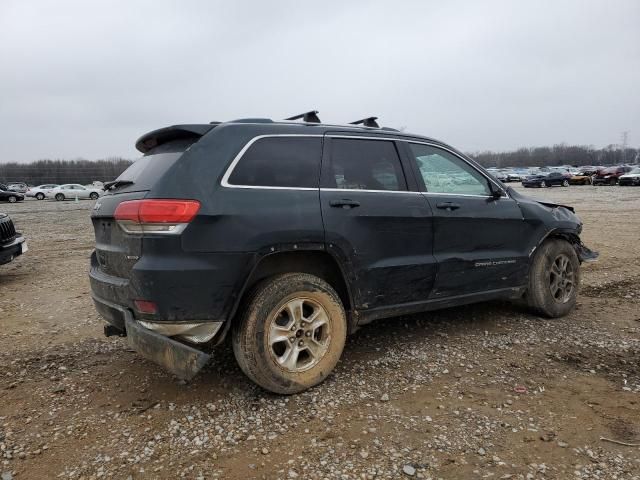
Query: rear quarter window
287	162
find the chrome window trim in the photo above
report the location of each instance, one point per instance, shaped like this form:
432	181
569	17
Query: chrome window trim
329	189
225	179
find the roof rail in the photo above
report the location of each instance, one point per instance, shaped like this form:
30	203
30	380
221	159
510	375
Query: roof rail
367	122
309	117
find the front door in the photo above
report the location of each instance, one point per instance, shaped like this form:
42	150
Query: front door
478	237
381	230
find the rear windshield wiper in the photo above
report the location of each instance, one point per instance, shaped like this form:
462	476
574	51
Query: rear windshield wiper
115	184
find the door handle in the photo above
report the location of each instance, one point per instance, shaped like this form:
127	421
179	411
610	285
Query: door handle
448	206
344	203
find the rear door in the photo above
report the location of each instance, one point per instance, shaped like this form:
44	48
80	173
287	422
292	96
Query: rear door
376	221
478	239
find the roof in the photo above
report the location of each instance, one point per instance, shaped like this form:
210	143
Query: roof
175	132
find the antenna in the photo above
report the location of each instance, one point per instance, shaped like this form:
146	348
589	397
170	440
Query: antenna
367	122
309	117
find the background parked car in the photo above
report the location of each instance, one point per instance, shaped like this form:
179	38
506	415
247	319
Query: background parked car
546	180
513	176
584	177
40	192
71	191
631	178
19	187
610	176
10	196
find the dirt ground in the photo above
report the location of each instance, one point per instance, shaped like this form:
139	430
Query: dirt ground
486	391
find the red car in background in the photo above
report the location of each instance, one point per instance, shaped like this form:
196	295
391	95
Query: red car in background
610	175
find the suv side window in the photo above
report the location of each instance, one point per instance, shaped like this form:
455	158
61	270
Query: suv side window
444	172
358	164
292	162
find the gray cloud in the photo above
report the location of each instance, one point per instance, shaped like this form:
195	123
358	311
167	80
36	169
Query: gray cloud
85	79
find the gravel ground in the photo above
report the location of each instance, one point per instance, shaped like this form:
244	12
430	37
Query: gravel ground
486	391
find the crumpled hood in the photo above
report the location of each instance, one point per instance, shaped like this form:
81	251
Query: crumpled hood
557	205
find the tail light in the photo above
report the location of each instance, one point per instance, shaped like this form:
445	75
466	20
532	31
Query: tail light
146	306
162	216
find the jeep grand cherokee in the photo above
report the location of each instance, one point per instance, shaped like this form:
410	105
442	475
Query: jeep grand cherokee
289	235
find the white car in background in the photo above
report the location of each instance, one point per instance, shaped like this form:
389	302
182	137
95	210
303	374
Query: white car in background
71	191
41	191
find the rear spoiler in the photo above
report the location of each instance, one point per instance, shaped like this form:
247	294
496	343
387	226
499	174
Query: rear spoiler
175	132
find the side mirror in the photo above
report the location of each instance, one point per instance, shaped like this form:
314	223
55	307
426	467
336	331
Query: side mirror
496	193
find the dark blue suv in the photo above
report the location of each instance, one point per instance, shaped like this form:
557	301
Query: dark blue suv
289	235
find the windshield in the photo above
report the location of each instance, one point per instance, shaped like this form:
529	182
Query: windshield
635	171
609	170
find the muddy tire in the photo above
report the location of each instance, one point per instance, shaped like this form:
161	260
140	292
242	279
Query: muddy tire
291	333
554	279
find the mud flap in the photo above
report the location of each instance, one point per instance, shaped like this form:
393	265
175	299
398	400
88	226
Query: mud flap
584	254
180	359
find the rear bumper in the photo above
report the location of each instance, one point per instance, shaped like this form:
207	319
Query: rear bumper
181	360
11	250
185	287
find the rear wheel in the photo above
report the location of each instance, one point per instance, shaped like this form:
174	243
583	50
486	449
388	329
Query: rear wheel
291	333
554	279
612	181
12	199
543	184
93	196
40	196
59	197
565	183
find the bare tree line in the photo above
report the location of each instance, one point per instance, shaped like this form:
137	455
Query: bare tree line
576	155
63	171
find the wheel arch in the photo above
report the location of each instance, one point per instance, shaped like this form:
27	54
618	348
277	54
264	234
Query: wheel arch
570	236
315	262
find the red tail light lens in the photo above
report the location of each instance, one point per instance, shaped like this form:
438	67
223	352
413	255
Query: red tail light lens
156	215
146	306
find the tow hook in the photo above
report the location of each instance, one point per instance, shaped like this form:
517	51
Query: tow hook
111	331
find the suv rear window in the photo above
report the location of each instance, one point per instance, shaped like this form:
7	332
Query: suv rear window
365	165
147	170
290	162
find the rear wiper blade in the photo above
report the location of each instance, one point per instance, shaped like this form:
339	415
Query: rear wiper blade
115	184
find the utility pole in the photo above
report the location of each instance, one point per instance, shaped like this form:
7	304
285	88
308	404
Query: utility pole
625	141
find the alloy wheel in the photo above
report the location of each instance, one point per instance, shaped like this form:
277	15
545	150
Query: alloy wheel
299	334
561	279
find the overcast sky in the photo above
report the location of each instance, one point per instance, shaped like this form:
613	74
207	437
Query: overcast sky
86	78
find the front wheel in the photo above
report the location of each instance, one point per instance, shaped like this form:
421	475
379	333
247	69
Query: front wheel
554	279
59	197
612	182
93	196
12	199
291	333
543	184
40	196
565	183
